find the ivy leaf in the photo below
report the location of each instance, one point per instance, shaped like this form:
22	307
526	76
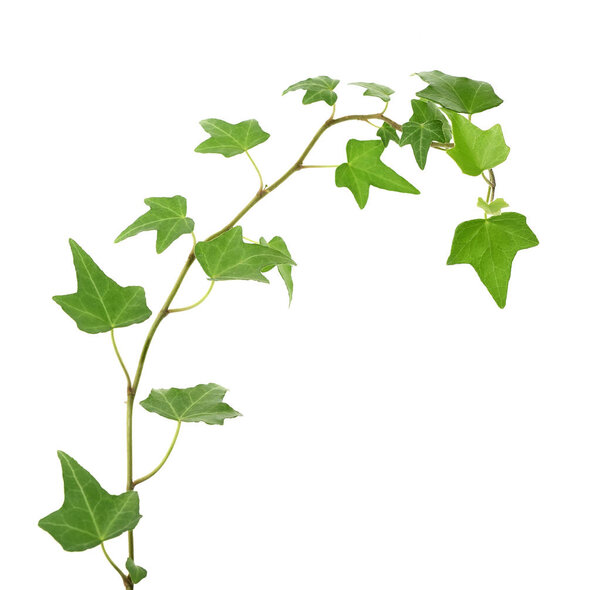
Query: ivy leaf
489	246
462	95
476	150
99	305
425	125
319	88
228	257
387	133
203	403
365	168
136	572
285	270
166	216
493	208
231	140
376	90
89	515
427	111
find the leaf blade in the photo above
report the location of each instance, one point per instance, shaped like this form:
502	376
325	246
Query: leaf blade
230	139
89	515
317	89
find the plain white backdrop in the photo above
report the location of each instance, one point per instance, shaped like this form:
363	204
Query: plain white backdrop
399	431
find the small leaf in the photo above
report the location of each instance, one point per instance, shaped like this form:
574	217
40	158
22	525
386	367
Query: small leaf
203	403
476	150
99	305
166	216
424	110
285	270
231	140
489	246
426	124
89	515
365	169
462	95
136	572
493	208
319	88
228	257
387	134
376	90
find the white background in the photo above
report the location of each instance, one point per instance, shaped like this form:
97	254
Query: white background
399	431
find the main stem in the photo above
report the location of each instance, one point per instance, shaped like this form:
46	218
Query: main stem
262	192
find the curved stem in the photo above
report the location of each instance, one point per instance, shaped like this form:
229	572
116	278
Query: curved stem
262	184
117	568
114	343
162	314
202	299
387	104
158	467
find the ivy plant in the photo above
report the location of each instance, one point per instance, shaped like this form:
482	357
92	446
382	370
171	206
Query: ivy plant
441	120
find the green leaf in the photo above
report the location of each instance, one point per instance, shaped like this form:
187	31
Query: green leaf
476	150
203	403
387	134
365	169
425	125
166	216
285	270
89	515
319	88
427	111
228	257
493	208
489	246
231	140
376	90
99	305
136	572
462	95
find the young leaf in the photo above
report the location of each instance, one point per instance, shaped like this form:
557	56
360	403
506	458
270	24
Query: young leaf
166	216
89	515
136	572
462	95
319	88
228	257
387	133
493	208
376	90
489	246
203	403
365	169
285	270
231	140
476	150
99	305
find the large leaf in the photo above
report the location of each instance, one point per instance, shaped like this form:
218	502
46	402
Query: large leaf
489	246
167	216
319	88
425	125
285	270
376	90
89	515
365	169
462	95
136	572
228	257
99	305
230	140
203	403
476	150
